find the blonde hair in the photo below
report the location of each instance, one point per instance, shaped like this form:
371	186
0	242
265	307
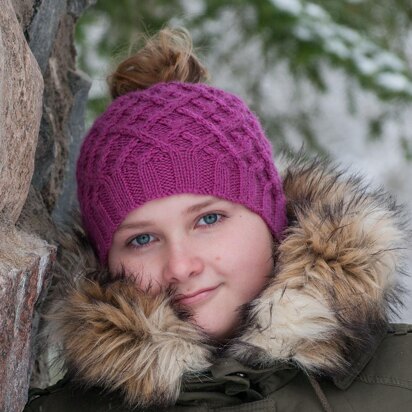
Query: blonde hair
166	56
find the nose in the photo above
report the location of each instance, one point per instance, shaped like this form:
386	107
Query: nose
182	263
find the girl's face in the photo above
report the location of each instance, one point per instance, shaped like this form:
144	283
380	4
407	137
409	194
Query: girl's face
216	254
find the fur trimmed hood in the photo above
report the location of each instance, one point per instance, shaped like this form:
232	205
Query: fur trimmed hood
334	286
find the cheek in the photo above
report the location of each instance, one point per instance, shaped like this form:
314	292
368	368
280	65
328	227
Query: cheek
244	277
253	277
252	266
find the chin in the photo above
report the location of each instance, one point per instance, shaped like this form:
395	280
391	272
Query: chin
218	332
214	325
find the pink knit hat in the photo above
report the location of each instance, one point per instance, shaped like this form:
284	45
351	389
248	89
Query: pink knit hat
175	138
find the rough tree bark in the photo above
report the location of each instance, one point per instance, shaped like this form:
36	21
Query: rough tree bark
42	100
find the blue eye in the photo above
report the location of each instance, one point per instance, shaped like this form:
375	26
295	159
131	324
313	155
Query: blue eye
211	218
141	240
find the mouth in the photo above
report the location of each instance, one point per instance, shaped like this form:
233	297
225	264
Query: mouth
196	297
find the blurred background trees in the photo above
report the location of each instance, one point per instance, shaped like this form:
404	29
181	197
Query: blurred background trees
365	41
332	75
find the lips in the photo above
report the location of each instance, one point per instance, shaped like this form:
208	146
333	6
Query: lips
196	297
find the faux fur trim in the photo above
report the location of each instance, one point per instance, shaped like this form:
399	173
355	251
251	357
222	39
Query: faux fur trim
335	280
334	284
120	338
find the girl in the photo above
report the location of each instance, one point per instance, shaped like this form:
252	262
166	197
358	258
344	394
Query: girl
213	284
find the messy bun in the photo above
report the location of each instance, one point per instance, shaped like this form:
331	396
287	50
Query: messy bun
167	56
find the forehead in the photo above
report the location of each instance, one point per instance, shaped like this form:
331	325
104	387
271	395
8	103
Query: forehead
183	203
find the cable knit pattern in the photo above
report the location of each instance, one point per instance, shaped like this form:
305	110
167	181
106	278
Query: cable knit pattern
175	138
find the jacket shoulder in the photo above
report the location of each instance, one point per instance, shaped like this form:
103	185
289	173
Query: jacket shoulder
65	396
391	363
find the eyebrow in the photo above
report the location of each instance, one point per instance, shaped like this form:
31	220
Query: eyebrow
200	206
192	209
137	225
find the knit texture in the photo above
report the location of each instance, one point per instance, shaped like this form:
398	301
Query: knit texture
175	138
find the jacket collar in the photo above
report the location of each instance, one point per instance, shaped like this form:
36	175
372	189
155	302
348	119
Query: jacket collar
357	362
334	284
228	380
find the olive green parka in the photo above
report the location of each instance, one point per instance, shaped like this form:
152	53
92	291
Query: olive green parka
317	338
